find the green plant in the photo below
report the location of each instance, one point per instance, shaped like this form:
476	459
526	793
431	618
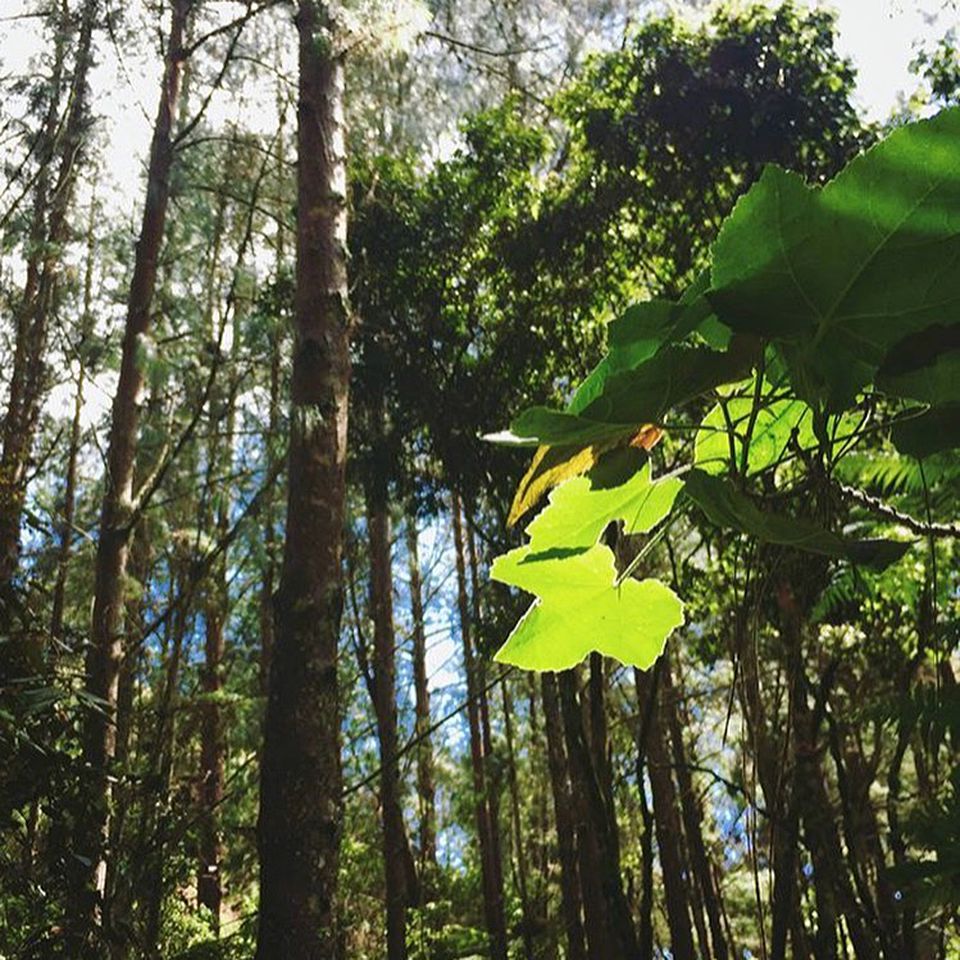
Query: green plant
825	324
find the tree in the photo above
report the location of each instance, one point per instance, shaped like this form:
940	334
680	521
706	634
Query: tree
60	151
300	819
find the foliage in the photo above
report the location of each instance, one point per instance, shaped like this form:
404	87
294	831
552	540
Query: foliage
847	294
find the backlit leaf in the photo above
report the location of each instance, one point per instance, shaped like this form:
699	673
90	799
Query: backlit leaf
840	274
579	609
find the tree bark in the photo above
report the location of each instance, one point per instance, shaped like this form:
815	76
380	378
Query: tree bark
609	925
425	781
268	584
68	511
28	383
692	821
158	812
103	659
570	895
216	606
666	820
771	763
491	872
212	734
301	804
399	872
520	860
834	894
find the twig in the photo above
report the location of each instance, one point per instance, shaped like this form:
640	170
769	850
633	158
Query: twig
877	506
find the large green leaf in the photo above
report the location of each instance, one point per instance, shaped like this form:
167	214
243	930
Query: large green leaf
723	432
676	375
618	488
936	383
840	274
580	609
924	434
631	398
640	333
728	508
541	426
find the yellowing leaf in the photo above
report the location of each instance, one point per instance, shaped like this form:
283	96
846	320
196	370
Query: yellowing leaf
551	466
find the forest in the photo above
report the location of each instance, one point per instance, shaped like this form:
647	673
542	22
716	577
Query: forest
478	481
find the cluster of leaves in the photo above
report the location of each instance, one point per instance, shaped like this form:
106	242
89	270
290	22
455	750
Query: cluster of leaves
827	319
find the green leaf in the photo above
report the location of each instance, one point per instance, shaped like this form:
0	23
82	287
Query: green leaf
551	466
632	398
639	334
632	338
541	426
618	488
922	435
580	609
728	508
676	375
774	425
937	383
839	275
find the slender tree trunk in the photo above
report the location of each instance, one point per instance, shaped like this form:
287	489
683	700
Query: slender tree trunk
546	943
425	782
161	769
692	821
486	836
479	666
212	751
215	516
786	918
645	931
612	935
301	803
570	896
103	659
834	894
28	385
70	483
118	883
268	585
520	858
398	863
666	821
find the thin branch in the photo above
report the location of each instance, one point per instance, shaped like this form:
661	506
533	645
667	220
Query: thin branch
876	506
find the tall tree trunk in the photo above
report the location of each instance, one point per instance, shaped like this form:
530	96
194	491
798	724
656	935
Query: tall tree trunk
666	821
158	810
268	583
425	782
770	763
399	873
103	659
834	894
570	895
28	384
545	943
520	860
609	925
215	517
70	483
301	803
486	836
212	751
692	820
